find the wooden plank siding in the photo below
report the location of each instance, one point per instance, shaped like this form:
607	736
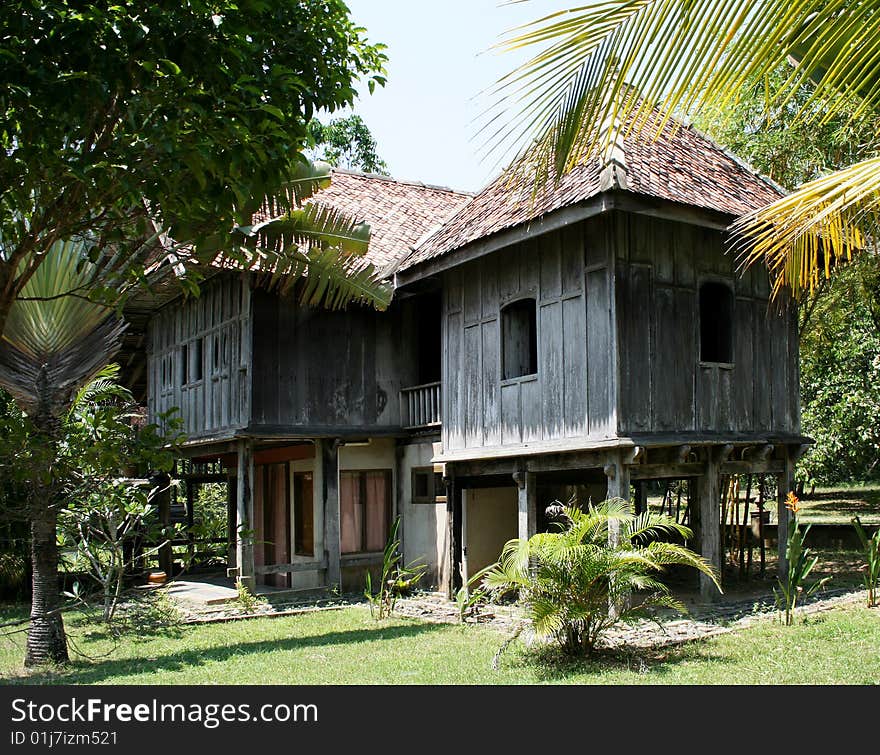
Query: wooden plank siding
316	369
212	333
664	385
562	398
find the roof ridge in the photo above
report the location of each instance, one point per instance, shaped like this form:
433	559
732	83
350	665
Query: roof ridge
404	182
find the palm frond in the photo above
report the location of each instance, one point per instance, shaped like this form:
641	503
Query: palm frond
679	55
803	236
56	338
313	225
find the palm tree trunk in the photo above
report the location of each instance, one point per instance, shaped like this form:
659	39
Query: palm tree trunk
46	642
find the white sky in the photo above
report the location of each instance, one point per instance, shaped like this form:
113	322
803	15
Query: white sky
439	63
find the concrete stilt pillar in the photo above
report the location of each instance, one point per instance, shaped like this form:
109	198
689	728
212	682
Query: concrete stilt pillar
527	504
784	485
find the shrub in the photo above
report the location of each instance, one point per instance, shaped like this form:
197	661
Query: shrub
396	579
575	584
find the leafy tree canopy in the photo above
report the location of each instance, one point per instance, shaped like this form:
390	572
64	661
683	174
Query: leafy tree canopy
143	121
347	143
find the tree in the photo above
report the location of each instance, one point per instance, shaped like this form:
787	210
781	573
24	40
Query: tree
575	585
51	347
152	130
347	143
691	55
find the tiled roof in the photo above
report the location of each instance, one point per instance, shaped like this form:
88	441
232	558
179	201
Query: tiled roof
681	165
399	212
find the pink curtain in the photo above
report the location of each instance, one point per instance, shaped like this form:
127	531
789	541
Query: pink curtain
350	512
377	510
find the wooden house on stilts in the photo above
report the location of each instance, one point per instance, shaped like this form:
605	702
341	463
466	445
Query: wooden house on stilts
584	341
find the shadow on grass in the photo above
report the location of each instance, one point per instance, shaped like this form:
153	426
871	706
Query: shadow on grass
84	672
549	664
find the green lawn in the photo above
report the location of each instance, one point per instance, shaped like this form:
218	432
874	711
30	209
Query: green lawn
839	504
346	646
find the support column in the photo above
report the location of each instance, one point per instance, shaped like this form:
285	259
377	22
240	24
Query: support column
617	476
527	504
617	486
453	524
784	484
332	542
709	505
641	502
161	482
244	555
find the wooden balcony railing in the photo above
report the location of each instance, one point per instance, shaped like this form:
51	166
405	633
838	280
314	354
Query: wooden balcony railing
420	406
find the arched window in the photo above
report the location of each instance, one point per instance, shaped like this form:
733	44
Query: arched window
716	322
519	339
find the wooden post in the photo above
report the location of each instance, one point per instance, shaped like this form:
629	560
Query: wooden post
245	514
784	484
231	529
165	553
617	475
453	523
709	504
527	498
332	540
641	502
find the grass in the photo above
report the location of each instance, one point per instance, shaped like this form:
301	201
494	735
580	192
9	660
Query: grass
347	647
839	504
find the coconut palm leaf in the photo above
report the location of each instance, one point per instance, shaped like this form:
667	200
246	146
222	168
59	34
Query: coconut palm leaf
680	55
684	55
804	235
56	338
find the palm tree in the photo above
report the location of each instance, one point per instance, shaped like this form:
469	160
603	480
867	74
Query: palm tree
55	340
683	55
575	584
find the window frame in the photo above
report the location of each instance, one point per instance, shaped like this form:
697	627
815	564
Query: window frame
362	484
432	497
533	339
728	285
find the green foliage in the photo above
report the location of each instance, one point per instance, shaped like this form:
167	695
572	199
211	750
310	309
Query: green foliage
775	141
107	110
840	378
871	550
346	143
396	579
211	521
800	561
575	584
